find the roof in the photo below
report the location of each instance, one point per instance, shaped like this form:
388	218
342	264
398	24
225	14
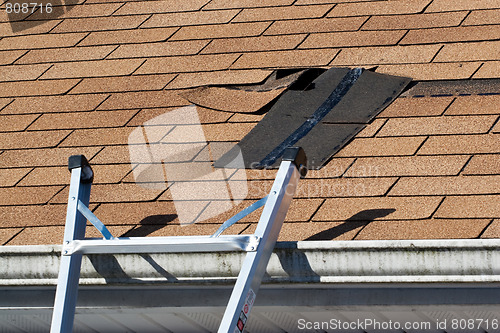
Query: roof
83	80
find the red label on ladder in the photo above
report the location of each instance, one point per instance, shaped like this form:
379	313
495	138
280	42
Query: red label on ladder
244	312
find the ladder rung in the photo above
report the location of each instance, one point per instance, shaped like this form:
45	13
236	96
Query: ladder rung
170	244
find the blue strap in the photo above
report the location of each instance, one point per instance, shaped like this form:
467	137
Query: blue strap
250	209
94	220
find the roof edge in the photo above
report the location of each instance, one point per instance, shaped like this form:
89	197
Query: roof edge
400	261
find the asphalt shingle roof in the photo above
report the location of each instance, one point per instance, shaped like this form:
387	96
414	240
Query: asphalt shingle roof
81	80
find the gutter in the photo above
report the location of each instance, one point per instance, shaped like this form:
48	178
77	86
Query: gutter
311	262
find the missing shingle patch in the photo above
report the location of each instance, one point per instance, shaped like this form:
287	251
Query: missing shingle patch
321	118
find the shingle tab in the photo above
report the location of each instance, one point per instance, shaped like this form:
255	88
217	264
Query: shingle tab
193	63
469	51
471	206
40	41
190	18
164	6
425	229
122	83
378	8
294	58
414	21
417	107
21	72
77	120
282	13
434	70
7	234
47	104
100	24
249	44
10	177
16	123
447	185
386	55
127	36
36	88
438	125
461	144
355	38
220	31
27	195
145	50
92	68
43	157
362	209
316	25
481	17
444	5
407	166
483	165
36	139
454	34
65	54
397	146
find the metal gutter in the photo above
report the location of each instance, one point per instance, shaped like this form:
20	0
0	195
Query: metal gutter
405	261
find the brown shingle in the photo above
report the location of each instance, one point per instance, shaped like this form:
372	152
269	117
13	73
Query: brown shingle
355	38
100	23
21	72
414	21
386	55
250	44
45	104
316	231
294	58
226	131
493	230
472	206
343	187
26	28
220	31
397	146
111	154
187	80
65	54
26	216
426	229
386	208
8	57
447	185
85	10
461	144
407	166
191	18
93	119
37	139
148	50
164	6
282	13
43	157
437	125
490	69
54	235
222	4
40	41
483	165
415	107
4	102
301	210
15	123
454	34
104	174
433	71
97	137
113	193
446	6
92	68
334	168
27	195
142	213
471	105
36	88
371	129
143	99
10	177
469	51
379	8
7	234
205	115
122	83
195	63
127	36
315	25
481	17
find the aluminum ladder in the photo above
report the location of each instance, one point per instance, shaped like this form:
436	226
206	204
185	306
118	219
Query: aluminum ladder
258	247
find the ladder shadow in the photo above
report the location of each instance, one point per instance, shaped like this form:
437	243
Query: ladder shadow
360	219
